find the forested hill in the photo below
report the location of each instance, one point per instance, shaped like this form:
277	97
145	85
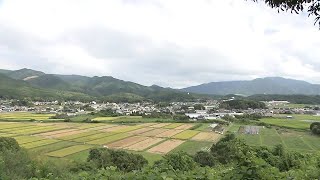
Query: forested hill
36	84
269	85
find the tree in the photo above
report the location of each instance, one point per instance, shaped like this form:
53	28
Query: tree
199	107
315	128
180	161
8	144
230	149
296	6
124	161
204	159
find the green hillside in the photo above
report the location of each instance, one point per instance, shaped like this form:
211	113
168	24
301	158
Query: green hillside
38	85
11	88
24	73
49	81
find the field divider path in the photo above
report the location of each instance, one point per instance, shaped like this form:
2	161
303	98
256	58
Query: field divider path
305	142
260	138
285	145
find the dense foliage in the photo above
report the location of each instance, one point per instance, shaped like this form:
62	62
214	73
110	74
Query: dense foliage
107	113
242	104
103	158
297	6
315	128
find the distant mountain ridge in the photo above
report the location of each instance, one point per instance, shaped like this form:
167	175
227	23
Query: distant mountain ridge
105	87
36	84
268	85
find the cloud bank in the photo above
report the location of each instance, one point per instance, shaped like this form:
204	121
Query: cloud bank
164	42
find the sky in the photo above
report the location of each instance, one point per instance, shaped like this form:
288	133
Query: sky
171	43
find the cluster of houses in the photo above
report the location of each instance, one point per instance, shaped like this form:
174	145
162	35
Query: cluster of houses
209	109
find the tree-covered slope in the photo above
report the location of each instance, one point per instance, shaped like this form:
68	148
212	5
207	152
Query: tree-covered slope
36	84
12	88
49	81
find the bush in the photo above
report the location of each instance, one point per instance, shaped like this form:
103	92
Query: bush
60	116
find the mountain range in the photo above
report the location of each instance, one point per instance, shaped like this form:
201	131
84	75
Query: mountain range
39	85
268	85
36	84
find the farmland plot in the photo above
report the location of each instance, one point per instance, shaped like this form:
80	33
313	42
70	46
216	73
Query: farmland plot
169	133
142	145
160	125
27	139
37	130
69	150
75	136
7	135
173	125
142	130
51	133
154	132
24	116
185	126
206	136
147	124
125	129
166	146
105	118
17	128
126	142
93	137
115	129
39	143
102	127
187	134
109	139
42	150
6	126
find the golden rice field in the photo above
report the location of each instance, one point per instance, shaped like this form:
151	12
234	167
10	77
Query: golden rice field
69	140
24	116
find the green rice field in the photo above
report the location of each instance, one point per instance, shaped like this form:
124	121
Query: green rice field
24	116
74	140
187	134
292	140
296	122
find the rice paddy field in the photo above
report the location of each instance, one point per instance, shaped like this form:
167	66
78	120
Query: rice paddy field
24	116
56	140
301	122
302	141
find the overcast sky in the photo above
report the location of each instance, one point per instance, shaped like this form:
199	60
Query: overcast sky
174	43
